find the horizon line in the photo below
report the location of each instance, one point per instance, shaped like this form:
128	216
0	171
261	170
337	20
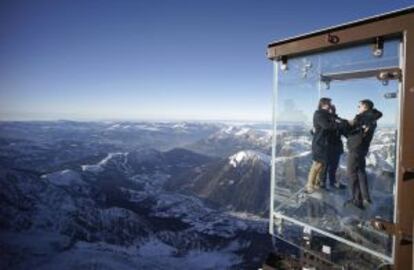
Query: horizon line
136	120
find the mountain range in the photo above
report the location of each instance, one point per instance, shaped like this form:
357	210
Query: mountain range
155	195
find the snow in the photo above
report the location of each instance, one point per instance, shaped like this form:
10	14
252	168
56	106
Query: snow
147	127
211	260
248	216
152	183
38	242
91	168
235	131
155	247
202	219
242	131
44	247
116	126
134	126
62	218
181	126
64	178
99	166
228	130
246	155
154	254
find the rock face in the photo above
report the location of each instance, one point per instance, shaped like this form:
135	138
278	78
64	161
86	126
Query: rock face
238	183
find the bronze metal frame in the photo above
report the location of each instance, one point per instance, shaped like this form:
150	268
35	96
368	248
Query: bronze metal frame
381	74
395	24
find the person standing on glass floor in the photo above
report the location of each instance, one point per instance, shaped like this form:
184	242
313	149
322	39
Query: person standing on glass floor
360	133
335	150
322	127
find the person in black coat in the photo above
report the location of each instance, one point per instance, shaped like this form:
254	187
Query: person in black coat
335	149
322	126
360	134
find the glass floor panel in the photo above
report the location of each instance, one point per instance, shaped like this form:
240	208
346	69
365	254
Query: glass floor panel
324	252
326	209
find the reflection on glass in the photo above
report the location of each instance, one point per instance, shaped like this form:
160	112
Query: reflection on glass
299	89
323	252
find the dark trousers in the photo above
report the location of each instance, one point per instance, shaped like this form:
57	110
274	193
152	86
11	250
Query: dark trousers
330	168
358	180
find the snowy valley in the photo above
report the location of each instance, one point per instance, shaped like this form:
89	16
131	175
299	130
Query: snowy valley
101	196
143	195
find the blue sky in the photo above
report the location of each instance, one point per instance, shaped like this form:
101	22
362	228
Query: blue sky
154	60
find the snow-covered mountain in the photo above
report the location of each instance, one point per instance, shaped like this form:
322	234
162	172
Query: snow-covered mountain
237	183
110	211
231	139
128	195
55	145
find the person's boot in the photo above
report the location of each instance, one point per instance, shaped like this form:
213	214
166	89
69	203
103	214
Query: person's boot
339	185
367	202
309	189
359	204
322	185
354	203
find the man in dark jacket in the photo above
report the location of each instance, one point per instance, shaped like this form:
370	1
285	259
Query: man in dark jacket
360	133
334	152
322	125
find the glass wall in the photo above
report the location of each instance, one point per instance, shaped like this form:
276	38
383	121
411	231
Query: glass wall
346	76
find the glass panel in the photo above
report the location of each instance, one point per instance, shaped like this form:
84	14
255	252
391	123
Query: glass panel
320	251
360	58
326	211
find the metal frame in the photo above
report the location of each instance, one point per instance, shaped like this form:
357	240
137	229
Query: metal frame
366	73
272	173
395	24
